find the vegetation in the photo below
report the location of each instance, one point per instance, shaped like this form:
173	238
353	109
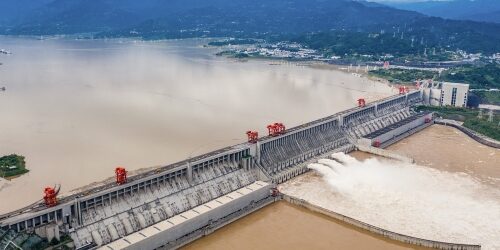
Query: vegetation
233	54
54	243
489	97
233	42
470	119
331	26
479	77
403	75
12	165
347	43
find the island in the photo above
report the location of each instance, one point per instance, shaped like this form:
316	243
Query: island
12	166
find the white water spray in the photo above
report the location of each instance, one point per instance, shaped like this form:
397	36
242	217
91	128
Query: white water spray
405	198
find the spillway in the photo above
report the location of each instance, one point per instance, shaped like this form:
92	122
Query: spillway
200	194
414	200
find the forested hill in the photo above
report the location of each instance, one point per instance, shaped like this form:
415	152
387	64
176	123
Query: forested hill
477	10
271	19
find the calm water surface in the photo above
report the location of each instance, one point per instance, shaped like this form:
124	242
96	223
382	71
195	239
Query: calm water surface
78	109
285	226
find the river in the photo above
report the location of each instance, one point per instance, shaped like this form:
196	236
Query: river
76	109
285	226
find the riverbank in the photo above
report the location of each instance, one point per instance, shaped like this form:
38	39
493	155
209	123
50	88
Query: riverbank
470	119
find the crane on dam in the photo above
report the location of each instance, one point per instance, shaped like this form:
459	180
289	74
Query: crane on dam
121	175
50	195
253	136
276	129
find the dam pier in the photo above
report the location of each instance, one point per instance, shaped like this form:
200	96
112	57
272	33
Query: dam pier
173	205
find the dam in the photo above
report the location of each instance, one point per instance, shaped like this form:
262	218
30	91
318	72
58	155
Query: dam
173	205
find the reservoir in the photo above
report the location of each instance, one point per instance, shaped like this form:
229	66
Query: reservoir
78	109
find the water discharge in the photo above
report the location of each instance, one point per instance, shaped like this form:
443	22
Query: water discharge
405	198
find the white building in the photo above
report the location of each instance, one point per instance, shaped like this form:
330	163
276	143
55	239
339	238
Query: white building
454	94
446	94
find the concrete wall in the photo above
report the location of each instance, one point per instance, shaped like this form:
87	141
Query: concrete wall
432	96
385	153
185	223
402	129
385	233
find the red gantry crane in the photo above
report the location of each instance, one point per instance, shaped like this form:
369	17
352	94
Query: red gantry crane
403	90
280	128
361	102
50	195
276	129
253	136
121	175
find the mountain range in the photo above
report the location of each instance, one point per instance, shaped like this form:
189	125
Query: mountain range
475	10
269	19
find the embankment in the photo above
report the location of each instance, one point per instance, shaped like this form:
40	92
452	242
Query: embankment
477	137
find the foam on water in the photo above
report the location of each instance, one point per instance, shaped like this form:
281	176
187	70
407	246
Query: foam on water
405	198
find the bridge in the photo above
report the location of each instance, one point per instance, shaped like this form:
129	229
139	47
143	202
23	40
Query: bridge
199	194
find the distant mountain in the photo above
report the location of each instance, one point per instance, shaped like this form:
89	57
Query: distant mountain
73	16
491	16
270	19
476	10
12	11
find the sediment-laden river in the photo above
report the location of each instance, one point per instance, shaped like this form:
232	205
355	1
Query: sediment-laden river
285	226
78	109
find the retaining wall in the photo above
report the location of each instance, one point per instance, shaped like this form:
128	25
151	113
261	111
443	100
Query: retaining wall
385	153
471	134
386	233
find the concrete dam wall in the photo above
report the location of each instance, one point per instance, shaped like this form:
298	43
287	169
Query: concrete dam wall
219	185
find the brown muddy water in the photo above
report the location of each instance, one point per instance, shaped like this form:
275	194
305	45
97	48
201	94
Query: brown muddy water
448	149
285	226
78	109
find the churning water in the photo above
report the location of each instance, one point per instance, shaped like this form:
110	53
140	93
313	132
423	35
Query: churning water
405	198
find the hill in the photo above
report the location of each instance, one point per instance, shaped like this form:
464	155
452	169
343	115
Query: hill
269	19
476	10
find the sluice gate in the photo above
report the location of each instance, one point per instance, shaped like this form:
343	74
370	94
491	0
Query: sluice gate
170	196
